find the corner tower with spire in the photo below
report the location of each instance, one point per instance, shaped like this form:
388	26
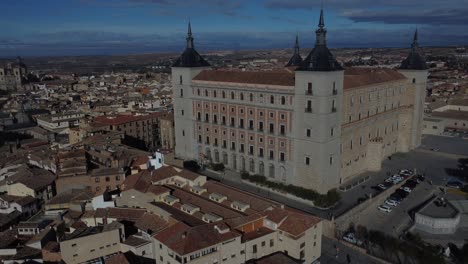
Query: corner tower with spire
189	64
296	59
317	116
415	69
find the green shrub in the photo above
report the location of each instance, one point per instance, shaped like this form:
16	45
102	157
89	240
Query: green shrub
217	166
321	200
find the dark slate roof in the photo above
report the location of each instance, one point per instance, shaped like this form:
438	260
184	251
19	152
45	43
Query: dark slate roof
415	60
320	59
296	60
190	58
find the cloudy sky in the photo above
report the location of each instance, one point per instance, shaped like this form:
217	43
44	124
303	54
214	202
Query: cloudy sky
87	27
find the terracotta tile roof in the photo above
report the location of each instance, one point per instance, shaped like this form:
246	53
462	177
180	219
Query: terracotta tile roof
34	178
243	220
184	239
277	258
297	223
259	232
135	241
140	160
354	77
157	189
358	77
205	205
129	214
152	223
257	203
123	119
119	258
283	78
166	172
277	215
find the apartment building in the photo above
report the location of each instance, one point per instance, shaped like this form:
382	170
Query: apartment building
314	124
141	130
200	221
91	243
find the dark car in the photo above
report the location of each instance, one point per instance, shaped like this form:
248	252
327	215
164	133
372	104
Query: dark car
421	177
454	184
396	197
410	185
412	182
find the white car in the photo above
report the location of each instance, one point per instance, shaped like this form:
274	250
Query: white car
351	238
389	179
381	186
385	208
406	189
391	202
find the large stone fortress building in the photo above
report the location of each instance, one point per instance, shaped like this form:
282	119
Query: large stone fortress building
13	75
314	124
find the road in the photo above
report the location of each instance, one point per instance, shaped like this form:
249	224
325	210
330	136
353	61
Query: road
433	164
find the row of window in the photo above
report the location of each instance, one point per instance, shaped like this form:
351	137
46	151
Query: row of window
239	96
375	112
241	124
370	96
241	110
242	148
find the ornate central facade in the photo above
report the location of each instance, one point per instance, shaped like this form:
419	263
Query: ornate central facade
314	124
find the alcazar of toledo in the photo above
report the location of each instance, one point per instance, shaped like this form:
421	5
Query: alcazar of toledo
315	124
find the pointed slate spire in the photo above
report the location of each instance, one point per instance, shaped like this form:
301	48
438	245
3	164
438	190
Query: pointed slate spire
415	40
320	58
296	46
296	59
190	57
189	37
321	20
415	60
321	32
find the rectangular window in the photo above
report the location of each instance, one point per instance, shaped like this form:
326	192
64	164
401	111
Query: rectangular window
272	128
309	106
254	249
181	92
251	150
180	79
282	156
272	155
308	132
260	152
309	88
242	147
260	126
307	161
272	242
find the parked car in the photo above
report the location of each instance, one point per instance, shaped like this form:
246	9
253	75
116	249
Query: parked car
454	184
396	197
406	189
389	179
382	186
411	185
391	202
351	238
421	178
385	208
401	193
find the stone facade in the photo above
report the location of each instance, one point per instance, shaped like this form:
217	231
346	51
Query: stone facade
317	127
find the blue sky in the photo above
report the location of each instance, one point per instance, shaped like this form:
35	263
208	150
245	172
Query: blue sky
86	27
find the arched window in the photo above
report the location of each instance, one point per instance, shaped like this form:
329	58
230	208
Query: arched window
242	96
224	94
232	95
283	100
252	165
251	97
